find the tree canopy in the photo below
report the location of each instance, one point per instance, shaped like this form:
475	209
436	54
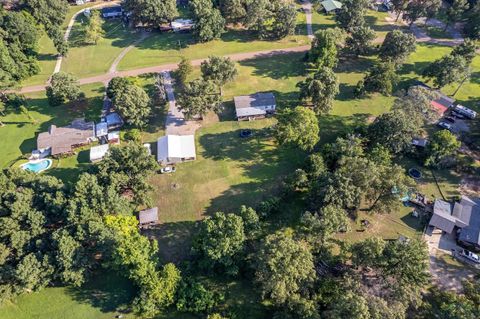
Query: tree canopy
298	127
321	89
152	13
63	87
397	46
133	104
198	97
220	70
443	145
209	23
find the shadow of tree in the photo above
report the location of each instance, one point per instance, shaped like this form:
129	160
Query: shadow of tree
106	291
282	67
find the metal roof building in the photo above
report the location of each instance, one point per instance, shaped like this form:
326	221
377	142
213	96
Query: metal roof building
254	105
97	153
148	216
176	148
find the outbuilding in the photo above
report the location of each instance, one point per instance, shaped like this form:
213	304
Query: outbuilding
331	5
112	12
97	153
258	105
176	149
180	25
148	217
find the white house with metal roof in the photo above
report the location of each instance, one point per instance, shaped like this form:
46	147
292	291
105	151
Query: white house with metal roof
176	149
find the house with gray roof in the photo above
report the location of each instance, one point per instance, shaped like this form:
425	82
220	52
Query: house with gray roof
251	107
461	218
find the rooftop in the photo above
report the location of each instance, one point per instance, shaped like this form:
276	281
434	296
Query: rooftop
63	139
148	216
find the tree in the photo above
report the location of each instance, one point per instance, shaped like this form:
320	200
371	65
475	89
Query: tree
63	87
455	12
220	239
415	10
432	7
320	89
127	168
368	253
352	14
298	127
397	46
116	85
472	25
418	103
192	296
399	7
152	13
133	104
442	146
349	305
198	97
51	14
271	19
18	47
467	49
135	256
323	52
319	228
220	70
93	30
32	273
251	221
234	11
185	68
284	268
209	23
360	40
447	70
381	78
394	130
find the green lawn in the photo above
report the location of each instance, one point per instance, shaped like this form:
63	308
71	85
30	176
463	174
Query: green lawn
19	133
86	60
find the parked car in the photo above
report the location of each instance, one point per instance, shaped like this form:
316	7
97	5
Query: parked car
167	170
445	125
449	119
470	256
458	115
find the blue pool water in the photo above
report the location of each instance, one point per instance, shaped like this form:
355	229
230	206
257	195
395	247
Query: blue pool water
37	166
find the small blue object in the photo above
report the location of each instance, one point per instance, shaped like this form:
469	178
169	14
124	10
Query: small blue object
415	173
37	166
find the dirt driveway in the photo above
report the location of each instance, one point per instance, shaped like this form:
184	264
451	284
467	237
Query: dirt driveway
446	270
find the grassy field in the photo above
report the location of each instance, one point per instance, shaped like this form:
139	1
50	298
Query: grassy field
85	60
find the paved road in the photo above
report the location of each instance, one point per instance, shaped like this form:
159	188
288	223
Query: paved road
105	78
175	122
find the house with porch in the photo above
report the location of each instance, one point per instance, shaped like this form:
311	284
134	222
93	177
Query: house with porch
254	106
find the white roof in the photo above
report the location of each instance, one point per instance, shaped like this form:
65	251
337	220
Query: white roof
175	146
101	129
98	152
181	23
250	111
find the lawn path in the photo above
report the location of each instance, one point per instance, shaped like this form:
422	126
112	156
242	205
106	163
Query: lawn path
113	67
105	78
58	65
175	122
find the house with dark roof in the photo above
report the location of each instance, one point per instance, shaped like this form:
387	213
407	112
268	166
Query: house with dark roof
258	105
461	218
63	140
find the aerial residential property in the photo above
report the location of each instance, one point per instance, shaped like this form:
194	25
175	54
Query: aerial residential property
240	159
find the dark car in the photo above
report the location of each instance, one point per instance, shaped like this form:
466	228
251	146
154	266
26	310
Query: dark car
449	119
458	115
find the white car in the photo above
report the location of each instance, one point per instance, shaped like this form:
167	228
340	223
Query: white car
445	125
470	256
167	170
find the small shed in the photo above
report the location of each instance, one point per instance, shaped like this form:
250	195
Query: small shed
97	153
331	5
419	141
114	137
101	129
148	216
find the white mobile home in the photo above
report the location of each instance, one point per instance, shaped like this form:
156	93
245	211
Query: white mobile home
176	149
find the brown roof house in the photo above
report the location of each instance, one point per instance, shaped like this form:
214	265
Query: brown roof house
62	140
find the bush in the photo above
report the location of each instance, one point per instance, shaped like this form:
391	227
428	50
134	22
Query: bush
268	206
194	297
134	135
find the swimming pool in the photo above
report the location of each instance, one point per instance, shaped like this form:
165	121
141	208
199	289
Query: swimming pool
37	166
